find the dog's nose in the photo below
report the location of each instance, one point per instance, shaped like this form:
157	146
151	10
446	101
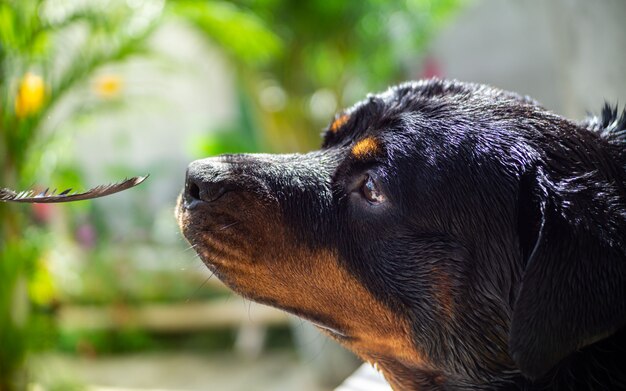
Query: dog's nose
205	182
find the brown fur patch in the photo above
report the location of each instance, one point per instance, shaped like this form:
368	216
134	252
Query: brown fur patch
339	122
271	268
443	293
366	147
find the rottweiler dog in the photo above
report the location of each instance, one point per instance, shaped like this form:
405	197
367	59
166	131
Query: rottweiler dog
455	235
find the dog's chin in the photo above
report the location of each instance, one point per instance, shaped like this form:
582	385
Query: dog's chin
232	272
238	273
230	264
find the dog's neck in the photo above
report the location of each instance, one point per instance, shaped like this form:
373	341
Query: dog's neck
600	366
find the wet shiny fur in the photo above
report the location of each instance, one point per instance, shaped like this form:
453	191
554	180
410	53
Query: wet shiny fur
457	235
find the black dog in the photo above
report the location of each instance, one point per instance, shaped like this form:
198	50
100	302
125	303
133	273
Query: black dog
456	235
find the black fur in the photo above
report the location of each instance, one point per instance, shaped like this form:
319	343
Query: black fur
502	240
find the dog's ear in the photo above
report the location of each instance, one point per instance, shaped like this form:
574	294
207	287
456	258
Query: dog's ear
573	289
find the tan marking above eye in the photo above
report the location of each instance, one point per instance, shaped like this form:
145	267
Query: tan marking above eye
367	147
339	122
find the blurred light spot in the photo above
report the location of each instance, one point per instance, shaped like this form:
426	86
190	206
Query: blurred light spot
64	266
41	285
86	235
43	212
55	11
49	158
354	90
399	25
273	98
323	104
431	68
145	13
419	6
135	3
370	24
19	301
30	95
108	86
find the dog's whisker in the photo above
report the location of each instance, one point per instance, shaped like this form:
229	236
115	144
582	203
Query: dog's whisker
195	292
249	309
243	303
189	248
200	287
229	225
319	348
186	262
200	265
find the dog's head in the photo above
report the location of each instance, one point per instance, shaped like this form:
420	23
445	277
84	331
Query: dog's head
432	234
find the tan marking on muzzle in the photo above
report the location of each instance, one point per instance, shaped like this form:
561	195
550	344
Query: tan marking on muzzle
314	284
272	267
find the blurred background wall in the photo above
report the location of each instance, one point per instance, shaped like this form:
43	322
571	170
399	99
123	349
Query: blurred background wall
111	284
568	54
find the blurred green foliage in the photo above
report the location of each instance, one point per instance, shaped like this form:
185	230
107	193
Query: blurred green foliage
239	33
117	277
41	61
296	64
307	60
92	343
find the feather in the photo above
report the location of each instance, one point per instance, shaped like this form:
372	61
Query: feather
30	196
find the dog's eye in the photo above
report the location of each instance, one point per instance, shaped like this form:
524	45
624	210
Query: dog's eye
370	191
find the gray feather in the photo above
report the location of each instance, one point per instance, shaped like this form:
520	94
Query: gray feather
30	196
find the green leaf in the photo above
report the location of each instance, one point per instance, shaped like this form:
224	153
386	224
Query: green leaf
240	33
7	26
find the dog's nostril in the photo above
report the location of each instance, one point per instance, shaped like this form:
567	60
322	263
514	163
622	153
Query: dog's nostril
205	183
193	191
198	192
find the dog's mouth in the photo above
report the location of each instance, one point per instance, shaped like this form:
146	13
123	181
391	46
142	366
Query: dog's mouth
222	243
218	240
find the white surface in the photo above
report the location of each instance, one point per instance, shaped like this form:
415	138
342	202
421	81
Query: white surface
175	371
366	378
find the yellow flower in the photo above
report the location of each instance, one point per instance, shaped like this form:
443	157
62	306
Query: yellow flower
108	86
31	94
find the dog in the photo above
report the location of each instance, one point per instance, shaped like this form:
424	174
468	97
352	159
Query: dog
455	235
